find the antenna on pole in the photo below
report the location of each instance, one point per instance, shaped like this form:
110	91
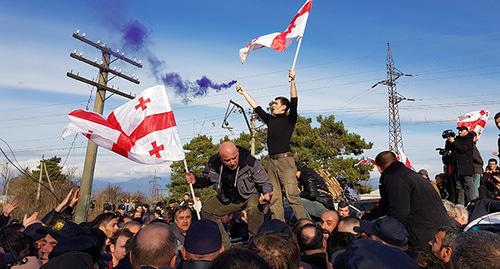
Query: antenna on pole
393	74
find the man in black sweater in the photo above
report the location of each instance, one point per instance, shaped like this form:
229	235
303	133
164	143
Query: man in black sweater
463	146
281	166
409	199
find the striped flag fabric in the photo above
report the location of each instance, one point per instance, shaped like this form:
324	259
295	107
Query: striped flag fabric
365	161
474	121
143	129
280	41
403	158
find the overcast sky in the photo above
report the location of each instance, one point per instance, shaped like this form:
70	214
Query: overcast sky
451	47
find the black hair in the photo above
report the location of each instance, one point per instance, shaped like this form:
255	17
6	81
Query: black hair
342	204
101	219
284	101
307	242
237	258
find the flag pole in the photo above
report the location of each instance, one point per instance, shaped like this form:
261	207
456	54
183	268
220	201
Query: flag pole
192	190
296	53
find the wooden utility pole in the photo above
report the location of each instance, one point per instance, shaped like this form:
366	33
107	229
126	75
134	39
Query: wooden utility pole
101	85
253	131
43	166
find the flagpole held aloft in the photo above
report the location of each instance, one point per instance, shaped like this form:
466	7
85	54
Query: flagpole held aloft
191	188
296	53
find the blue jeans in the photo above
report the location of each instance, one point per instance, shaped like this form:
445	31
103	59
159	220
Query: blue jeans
314	208
465	190
476	179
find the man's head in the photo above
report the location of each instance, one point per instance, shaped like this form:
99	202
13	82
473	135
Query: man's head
492	164
475	250
462	215
229	155
203	241
310	238
424	174
329	221
347	224
280	105
155	245
462	131
497	120
277	250
132	226
238	258
441	244
118	242
47	246
343	209
384	159
182	219
387	230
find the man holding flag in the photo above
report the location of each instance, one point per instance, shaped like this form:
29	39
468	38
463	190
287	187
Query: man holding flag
241	184
281	166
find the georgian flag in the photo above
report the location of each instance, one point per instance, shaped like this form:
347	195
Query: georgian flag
143	129
365	161
280	41
402	158
474	121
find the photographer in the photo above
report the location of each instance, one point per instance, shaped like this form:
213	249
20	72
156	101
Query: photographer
450	175
462	148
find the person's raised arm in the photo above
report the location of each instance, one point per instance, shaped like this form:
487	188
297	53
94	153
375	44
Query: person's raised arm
293	86
247	96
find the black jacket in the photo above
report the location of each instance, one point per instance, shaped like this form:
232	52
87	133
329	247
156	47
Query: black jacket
463	149
314	188
477	160
251	177
412	201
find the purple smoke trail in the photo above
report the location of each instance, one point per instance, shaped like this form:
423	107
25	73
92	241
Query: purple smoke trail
136	37
187	89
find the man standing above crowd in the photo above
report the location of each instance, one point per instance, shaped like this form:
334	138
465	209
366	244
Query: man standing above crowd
241	184
409	199
463	146
281	167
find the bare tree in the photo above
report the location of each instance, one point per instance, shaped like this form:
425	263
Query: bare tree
6	175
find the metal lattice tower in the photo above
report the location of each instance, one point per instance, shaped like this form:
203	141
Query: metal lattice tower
393	74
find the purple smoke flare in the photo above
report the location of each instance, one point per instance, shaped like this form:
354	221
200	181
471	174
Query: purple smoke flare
134	35
187	89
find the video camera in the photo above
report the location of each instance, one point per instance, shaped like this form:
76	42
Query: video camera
447	133
441	151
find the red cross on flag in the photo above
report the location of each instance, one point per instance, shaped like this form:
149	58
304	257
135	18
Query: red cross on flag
143	129
402	158
474	121
280	41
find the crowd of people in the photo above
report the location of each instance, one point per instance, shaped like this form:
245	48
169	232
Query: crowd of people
415	225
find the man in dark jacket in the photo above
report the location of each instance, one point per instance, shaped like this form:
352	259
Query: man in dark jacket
477	162
409	199
315	195
241	184
463	146
497	123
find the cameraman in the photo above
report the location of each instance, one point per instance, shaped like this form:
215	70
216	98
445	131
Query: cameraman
462	147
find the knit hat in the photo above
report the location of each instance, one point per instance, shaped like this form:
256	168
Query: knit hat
203	237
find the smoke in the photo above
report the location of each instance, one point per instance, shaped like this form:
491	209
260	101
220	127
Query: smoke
135	36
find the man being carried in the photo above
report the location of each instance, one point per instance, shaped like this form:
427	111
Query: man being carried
241	184
281	167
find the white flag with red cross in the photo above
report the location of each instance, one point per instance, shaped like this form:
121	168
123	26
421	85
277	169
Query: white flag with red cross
143	129
401	155
280	41
474	121
365	161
